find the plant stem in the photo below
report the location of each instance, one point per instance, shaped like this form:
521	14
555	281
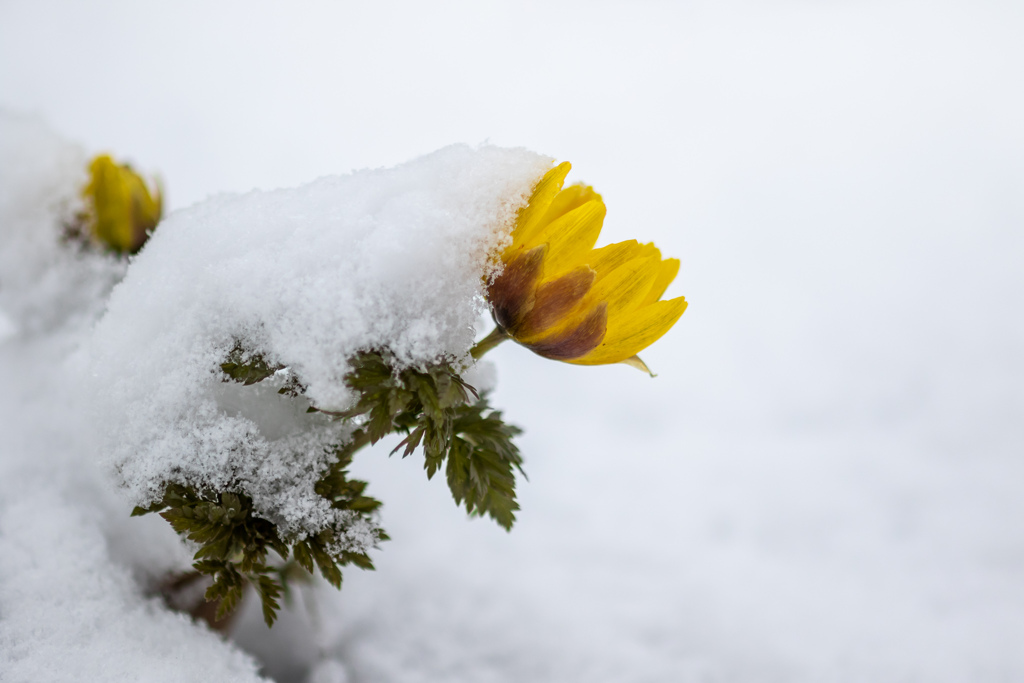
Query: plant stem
496	336
174	591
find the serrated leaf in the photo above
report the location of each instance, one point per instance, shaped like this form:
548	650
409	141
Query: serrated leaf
328	569
247	368
229	602
208	566
269	590
361	560
303	556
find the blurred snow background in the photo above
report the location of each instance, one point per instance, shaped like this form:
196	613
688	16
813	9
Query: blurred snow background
823	483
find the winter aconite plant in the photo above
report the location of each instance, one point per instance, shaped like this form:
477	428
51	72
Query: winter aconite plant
120	211
260	341
565	300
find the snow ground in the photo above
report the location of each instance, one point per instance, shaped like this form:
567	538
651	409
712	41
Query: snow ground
823	483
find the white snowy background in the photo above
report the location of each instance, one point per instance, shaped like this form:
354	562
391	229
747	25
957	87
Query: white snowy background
824	481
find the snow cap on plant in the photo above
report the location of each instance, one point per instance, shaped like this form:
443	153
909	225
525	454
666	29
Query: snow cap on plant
565	300
121	210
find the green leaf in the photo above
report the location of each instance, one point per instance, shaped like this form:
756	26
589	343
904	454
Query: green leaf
361	560
328	569
431	405
303	556
229	602
269	591
482	461
247	368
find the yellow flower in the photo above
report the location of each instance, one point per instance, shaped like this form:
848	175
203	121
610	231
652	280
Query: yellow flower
122	212
565	300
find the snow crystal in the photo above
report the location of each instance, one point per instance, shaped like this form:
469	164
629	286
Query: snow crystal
305	277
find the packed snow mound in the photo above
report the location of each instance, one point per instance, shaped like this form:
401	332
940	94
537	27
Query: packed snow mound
305	277
76	572
73	567
44	281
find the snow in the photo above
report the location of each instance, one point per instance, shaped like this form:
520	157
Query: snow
822	483
40	179
73	567
71	610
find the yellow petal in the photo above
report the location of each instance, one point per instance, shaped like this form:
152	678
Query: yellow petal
625	287
667	271
111	203
530	217
628	335
124	210
610	257
571	237
145	210
569	198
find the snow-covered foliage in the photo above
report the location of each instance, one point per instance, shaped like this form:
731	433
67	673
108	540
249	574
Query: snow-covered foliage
306	278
